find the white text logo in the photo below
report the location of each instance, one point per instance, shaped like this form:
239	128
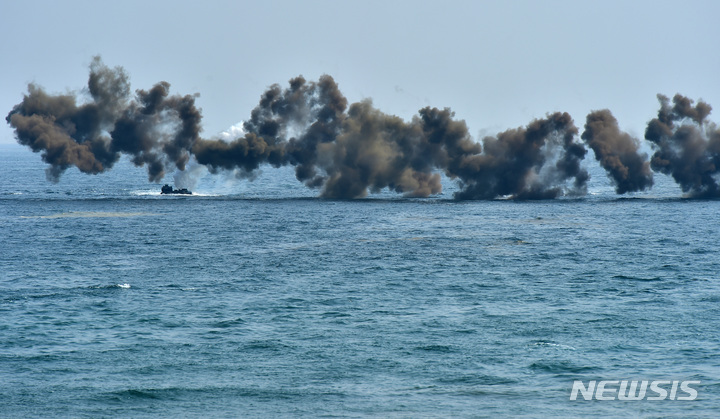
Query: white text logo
635	390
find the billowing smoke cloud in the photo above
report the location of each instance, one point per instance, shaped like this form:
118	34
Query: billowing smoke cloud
350	150
687	144
618	153
72	135
373	151
524	163
348	153
156	129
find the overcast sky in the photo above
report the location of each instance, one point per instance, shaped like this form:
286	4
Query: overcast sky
497	64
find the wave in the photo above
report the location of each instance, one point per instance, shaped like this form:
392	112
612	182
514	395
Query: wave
91	214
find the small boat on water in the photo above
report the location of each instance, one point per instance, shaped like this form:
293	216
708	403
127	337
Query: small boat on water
168	190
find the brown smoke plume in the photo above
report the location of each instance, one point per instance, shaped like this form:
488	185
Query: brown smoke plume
345	150
155	129
68	134
524	163
687	145
618	153
350	153
350	150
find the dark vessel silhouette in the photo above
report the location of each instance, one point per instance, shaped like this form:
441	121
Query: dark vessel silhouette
168	190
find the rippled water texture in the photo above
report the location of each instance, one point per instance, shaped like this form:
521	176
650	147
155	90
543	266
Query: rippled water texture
257	299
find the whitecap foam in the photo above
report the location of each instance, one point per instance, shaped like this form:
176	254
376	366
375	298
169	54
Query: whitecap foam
555	345
146	192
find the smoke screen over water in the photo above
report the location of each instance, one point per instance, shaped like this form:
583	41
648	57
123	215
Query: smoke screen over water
346	150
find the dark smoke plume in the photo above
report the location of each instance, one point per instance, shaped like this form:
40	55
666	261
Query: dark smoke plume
687	144
524	163
350	150
158	130
348	153
345	150
72	135
155	129
618	153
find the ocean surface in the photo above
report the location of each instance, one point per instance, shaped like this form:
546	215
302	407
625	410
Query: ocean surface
258	299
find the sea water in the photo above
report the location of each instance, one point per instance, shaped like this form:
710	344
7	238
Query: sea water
258	299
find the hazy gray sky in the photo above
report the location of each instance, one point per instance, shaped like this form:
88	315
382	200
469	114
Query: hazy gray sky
497	64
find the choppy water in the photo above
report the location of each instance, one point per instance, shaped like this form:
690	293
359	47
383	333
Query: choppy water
257	299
